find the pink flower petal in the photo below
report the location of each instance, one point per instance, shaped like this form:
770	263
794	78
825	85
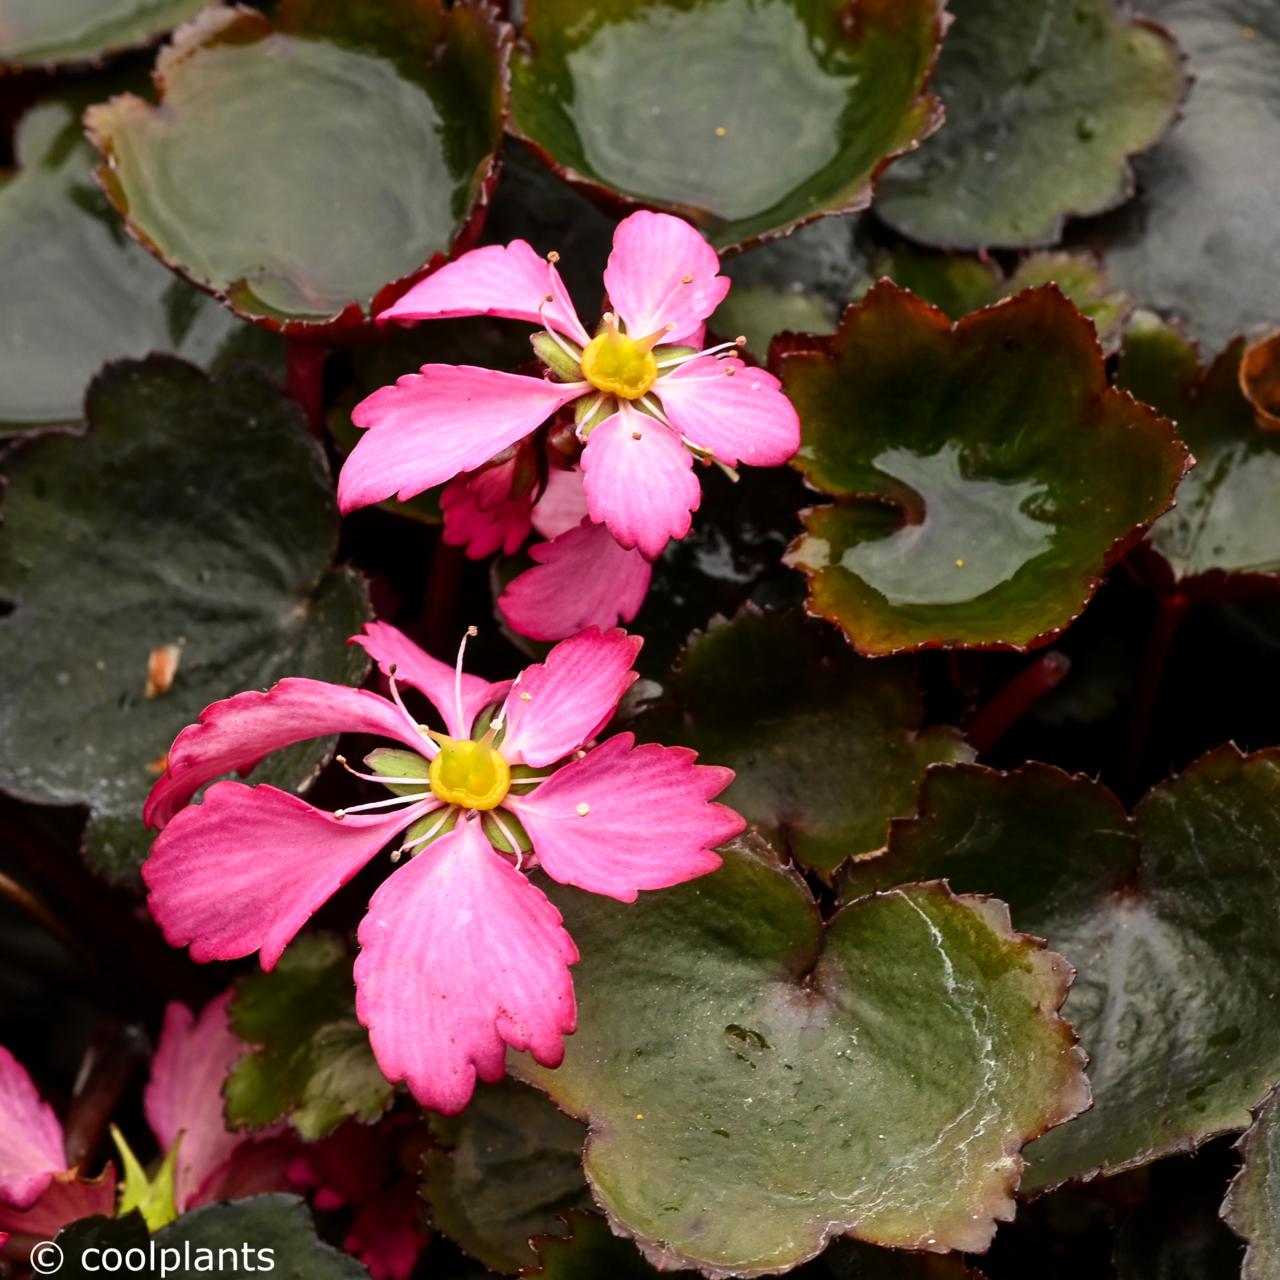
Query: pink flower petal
256	1166
67	1199
460	957
414	666
499	280
481	530
626	818
738	413
557	705
184	1094
235	734
639	481
30	1137
562	505
661	272
386	1232
431	425
245	869
580	579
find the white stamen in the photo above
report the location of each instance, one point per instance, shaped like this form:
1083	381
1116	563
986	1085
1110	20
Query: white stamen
506	835
392	803
410	845
457	677
721	348
384	779
654	408
429	748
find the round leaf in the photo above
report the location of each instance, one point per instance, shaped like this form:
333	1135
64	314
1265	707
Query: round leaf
77	291
183	543
1222	536
1045	103
875	1075
1169	919
44	33
1252	1206
747	117
826	747
987	476
1196	240
507	1168
298	172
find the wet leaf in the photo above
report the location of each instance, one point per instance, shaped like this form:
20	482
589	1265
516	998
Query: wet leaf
77	291
231	178
747	116
311	1060
194	512
827	747
274	1229
877	1074
1168	917
45	33
507	1168
986	476
1222	537
1252	1209
1045	104
1194	240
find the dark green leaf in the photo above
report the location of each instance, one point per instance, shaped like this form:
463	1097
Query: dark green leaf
987	476
509	1166
297	173
1197	239
43	33
1252	1206
312	1061
755	1081
77	291
1045	104
1223	534
272	1233
196	514
826	746
747	117
1168	917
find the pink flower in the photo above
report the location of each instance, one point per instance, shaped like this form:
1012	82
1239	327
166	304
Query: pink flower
645	404
460	954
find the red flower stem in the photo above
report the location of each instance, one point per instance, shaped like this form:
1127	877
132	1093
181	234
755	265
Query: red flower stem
107	1071
39	911
1170	610
1016	698
304	379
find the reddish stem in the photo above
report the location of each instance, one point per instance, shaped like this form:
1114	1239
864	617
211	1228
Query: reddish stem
1015	699
1170	610
107	1070
304	379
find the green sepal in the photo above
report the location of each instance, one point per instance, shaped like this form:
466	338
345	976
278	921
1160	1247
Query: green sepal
661	354
393	763
550	351
423	825
587	422
493	832
154	1198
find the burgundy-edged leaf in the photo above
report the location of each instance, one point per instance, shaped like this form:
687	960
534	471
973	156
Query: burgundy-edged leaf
748	118
985	474
876	1074
1260	380
1169	918
302	172
1252	1206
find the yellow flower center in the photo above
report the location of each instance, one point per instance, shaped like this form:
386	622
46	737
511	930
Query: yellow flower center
470	774
619	365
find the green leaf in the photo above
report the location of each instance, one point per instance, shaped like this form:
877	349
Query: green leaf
195	520
46	33
1252	1206
1222	536
827	747
1045	104
1194	241
986	475
747	116
1169	918
312	1061
78	291
875	1075
505	1171
231	178
271	1233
